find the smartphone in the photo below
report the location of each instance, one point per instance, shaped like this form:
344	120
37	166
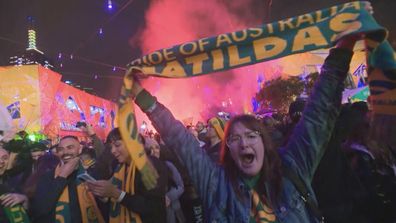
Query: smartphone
85	177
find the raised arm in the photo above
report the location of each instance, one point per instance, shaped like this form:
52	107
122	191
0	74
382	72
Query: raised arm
175	135
310	136
97	142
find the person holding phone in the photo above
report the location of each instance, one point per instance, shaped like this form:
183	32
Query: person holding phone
129	199
60	195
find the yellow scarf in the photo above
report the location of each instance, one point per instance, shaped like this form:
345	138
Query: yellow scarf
88	163
129	133
119	213
218	125
90	212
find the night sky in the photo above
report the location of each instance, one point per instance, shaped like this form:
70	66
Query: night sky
72	28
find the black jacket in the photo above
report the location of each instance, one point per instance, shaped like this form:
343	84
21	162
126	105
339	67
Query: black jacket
47	194
149	204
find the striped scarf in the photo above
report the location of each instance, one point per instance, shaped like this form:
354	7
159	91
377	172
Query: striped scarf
16	214
259	212
123	179
129	133
90	212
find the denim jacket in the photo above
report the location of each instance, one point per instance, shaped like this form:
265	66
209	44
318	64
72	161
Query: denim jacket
302	153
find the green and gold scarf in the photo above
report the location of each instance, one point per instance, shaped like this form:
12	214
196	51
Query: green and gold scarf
90	212
16	214
123	179
259	212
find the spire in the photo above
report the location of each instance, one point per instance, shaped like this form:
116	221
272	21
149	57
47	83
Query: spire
32	55
31	35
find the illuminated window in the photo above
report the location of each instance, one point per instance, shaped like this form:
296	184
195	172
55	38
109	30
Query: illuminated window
72	105
95	110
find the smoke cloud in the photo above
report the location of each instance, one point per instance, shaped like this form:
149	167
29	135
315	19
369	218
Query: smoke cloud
171	22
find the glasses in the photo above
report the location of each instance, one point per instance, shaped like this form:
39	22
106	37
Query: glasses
250	138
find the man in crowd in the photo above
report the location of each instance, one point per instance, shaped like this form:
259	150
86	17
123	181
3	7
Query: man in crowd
60	195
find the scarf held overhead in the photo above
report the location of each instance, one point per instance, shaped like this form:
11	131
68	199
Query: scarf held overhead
311	31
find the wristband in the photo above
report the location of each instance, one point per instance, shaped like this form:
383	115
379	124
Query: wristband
122	195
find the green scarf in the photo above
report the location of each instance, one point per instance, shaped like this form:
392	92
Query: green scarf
311	31
382	99
90	212
16	214
123	179
259	212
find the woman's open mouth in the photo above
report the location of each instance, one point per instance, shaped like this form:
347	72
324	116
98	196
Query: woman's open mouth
247	158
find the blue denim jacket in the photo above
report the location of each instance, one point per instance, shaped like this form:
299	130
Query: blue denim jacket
302	153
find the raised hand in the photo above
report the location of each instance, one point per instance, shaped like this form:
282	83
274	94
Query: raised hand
67	168
88	129
11	199
348	42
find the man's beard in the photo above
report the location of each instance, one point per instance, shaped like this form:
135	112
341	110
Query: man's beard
67	157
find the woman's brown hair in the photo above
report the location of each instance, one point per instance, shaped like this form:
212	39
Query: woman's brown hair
270	173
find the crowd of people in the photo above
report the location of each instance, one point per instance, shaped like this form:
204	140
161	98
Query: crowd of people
315	164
